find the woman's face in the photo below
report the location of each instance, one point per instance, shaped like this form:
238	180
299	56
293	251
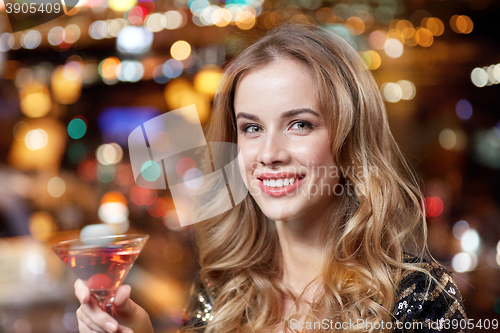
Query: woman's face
284	141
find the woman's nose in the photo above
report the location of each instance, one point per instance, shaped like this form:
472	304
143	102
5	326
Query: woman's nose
273	150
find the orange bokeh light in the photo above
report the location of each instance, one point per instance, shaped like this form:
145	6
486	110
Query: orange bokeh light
114	196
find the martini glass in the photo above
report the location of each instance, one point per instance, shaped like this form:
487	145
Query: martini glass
102	262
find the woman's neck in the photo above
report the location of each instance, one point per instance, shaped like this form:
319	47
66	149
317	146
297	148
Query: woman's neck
302	255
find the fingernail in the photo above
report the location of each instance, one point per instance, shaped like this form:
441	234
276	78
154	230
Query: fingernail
111	327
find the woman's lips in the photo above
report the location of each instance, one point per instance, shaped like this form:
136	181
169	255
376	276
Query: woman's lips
280	191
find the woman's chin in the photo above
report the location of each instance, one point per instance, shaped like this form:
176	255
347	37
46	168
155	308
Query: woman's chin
279	212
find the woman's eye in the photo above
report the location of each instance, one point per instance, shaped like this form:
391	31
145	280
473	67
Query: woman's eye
251	129
302	126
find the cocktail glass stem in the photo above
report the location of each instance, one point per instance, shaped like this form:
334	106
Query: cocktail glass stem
105	299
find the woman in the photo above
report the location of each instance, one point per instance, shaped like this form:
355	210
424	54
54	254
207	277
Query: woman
322	242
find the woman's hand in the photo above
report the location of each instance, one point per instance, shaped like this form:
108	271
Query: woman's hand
128	316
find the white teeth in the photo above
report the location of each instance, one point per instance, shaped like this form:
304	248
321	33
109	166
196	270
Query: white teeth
278	182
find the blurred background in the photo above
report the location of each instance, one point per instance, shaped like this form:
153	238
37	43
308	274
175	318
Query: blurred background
72	90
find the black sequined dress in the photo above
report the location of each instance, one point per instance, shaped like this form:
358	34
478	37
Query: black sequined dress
420	306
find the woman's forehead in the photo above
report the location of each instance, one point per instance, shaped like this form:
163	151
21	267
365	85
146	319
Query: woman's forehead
281	85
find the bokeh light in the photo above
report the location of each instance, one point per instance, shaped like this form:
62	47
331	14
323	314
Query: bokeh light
193	178
124	175
377	39
175	19
391	92
108	154
56	35
56	187
108	69
408	89
159	140
31	39
72	33
433	206
171	220
173	252
479	77
35	100
141	196
19	131
172	68
447	138
207	79
151	171
105	173
464	262
77	152
463	109
130	71
246	19
470	241
372	59
136	15
183	165
355	25
179	93
121	5
42	226
180	50
461	24
77	128
113	208
434	25
134	40
97	230
36	139
393	48
459	228
66	82
87	170
424	37
156	22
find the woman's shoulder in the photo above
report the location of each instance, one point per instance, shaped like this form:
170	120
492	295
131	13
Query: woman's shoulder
199	306
428	304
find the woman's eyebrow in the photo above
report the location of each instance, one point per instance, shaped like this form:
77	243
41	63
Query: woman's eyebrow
247	116
286	114
292	113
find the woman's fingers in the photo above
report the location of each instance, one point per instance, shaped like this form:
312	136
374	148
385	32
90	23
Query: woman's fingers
82	328
82	292
92	319
85	324
95	318
122	304
123	329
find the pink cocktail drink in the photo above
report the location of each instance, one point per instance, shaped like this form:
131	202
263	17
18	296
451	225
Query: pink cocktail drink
102	263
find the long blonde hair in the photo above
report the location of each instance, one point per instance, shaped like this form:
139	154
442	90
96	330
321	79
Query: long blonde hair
366	234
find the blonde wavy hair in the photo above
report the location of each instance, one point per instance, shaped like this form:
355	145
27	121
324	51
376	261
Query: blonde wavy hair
366	234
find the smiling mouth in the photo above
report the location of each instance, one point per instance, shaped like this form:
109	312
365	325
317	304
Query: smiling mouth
276	185
280	182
